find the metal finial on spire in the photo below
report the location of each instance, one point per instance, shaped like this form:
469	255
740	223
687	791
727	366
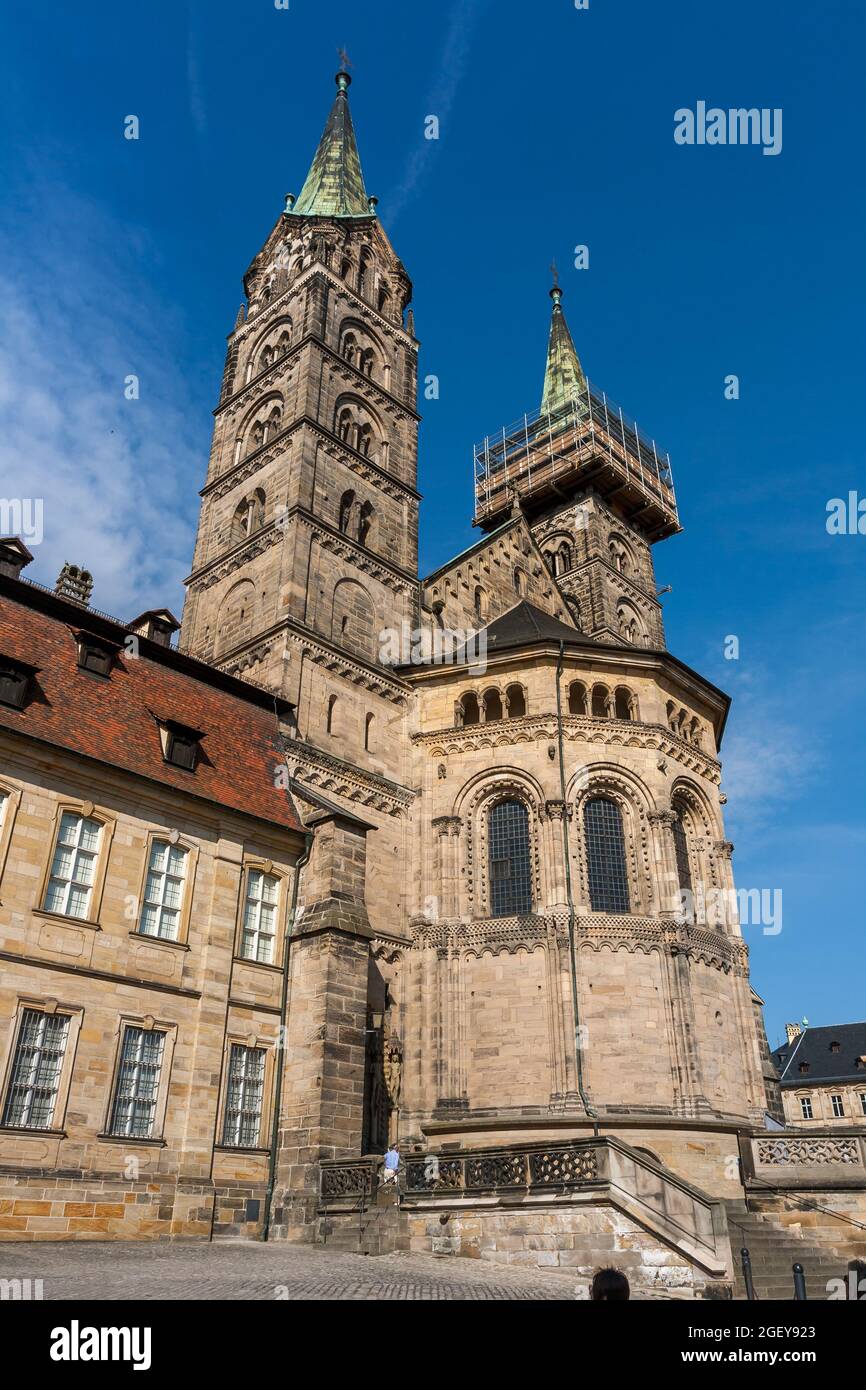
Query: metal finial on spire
556	292
343	78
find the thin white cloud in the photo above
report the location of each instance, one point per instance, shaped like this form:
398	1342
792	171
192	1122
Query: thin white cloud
452	67
117	477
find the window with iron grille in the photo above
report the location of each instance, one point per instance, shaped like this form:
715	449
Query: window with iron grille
36	1068
135	1095
73	866
605	856
163	891
838	1106
243	1115
509	859
806	1107
260	917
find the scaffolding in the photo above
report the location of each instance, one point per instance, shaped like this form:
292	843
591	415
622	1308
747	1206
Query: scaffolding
588	441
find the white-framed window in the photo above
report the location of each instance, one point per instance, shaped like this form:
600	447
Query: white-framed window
863	1101
258	936
806	1107
244	1096
73	867
163	890
838	1106
137	1086
34	1080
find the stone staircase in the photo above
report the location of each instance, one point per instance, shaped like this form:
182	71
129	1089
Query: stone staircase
774	1250
374	1228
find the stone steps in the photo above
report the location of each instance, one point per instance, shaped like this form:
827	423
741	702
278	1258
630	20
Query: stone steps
773	1252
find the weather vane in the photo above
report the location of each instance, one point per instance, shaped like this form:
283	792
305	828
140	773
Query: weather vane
344	58
555	273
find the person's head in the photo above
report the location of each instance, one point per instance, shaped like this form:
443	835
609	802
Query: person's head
609	1285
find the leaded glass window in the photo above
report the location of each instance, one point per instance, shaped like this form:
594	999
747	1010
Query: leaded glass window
260	917
73	866
509	859
36	1070
605	856
135	1096
246	1080
163	891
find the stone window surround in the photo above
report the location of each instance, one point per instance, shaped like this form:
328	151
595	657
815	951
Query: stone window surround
265	866
149	1024
75	1014
238	1038
108	825
172	837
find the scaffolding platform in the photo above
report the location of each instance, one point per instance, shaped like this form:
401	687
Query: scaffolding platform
587	443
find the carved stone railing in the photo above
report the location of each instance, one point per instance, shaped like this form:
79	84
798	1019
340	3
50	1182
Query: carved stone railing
353	1180
809	1151
560	1176
503	1170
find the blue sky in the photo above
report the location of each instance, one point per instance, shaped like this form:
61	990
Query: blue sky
556	129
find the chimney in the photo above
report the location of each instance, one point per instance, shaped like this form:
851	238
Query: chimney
792	1031
14	555
75	584
157	625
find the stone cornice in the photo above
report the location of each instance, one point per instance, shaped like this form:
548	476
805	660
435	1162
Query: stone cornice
594	930
226	564
617	732
323	772
370	677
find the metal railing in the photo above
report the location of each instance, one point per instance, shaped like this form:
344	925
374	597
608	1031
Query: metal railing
538	448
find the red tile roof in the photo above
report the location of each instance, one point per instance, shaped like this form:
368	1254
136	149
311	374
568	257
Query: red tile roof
114	719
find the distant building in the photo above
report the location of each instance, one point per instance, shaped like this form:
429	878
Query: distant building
823	1075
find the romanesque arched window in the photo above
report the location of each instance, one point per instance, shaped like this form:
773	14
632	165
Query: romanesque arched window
600	702
515	702
350	347
331	715
624	703
366	518
509	861
681	851
605	856
577	698
564	558
368	731
480	603
492	704
347	503
519	581
468	709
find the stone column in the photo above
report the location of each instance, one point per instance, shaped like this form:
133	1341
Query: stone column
448	832
322	1102
555	812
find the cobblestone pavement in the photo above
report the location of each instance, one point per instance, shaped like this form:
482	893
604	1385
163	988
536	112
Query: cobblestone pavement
134	1270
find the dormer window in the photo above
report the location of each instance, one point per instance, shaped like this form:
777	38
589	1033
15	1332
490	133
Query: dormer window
804	1068
180	744
835	1047
15	678
95	654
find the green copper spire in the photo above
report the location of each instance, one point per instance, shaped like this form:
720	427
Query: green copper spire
334	187
563	376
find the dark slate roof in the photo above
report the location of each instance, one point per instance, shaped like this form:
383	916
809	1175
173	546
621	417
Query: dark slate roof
813	1047
525	623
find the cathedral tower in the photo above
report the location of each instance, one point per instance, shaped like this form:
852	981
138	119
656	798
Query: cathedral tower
595	490
307	545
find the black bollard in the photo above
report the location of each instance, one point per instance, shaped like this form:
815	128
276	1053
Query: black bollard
747	1274
800	1284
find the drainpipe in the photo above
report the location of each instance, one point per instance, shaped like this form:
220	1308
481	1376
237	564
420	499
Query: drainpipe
569	895
281	1050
